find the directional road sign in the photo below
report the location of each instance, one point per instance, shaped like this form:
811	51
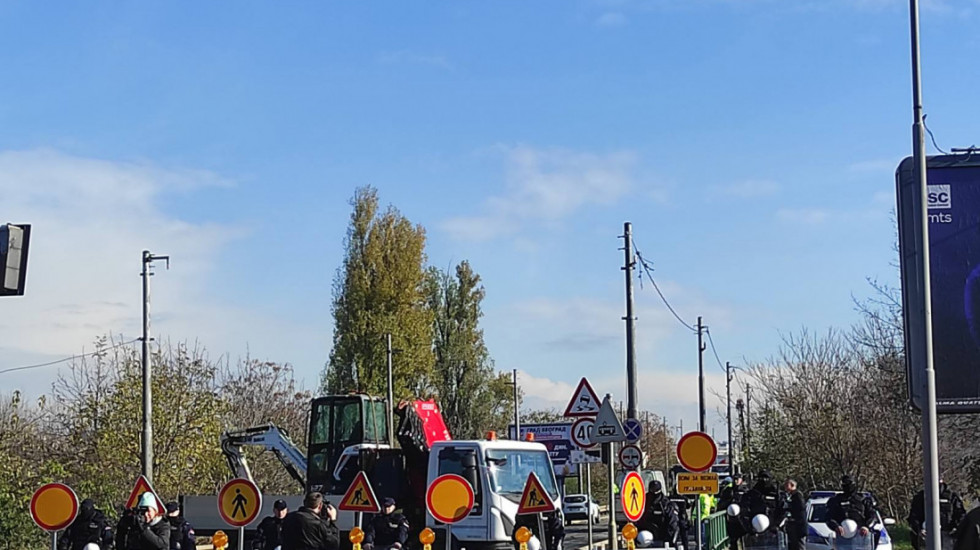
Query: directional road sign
584	401
697	452
697	484
608	429
633	496
534	499
557	437
54	506
449	498
141	486
360	496
633	429
582	432
630	457
239	502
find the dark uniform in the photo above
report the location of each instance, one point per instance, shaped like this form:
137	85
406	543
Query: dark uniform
181	532
554	528
660	517
951	513
794	506
304	529
683	518
732	494
850	504
968	532
268	534
762	498
89	526
386	530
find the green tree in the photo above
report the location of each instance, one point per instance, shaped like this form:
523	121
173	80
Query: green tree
474	398
380	289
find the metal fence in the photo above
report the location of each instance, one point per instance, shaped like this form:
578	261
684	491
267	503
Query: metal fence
716	529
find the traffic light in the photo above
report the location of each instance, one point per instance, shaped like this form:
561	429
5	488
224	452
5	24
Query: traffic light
14	240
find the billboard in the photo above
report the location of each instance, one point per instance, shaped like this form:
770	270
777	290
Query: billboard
557	437
954	242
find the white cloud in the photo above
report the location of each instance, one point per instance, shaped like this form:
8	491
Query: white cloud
611	19
748	189
90	221
547	186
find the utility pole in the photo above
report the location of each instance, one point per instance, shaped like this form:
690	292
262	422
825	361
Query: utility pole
517	409
748	415
391	392
930	445
740	406
147	454
629	264
666	448
701	347
728	401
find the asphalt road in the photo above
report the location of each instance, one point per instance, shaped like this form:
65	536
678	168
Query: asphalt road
576	534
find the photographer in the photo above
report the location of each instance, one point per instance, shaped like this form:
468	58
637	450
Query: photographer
143	528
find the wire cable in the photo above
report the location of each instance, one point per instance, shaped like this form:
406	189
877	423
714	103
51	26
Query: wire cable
73	357
932	137
715	351
645	268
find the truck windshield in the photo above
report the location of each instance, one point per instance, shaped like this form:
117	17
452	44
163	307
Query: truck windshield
509	469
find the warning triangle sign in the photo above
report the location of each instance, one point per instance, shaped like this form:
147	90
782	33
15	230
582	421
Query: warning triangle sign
535	499
143	486
584	401
360	496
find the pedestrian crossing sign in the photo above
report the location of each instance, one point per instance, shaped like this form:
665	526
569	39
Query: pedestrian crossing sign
239	502
535	499
360	496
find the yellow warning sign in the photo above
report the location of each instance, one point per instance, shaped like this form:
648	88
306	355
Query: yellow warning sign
239	502
634	496
697	484
535	499
360	496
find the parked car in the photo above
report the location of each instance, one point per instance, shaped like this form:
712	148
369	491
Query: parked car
820	537
579	507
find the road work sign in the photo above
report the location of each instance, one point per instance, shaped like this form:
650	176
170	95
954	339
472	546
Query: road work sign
449	498
534	499
633	496
239	502
697	452
54	506
360	496
697	484
584	401
141	486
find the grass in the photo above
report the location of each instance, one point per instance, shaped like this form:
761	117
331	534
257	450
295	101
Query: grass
901	539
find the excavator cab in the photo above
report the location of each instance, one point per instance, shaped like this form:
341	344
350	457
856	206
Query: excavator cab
357	423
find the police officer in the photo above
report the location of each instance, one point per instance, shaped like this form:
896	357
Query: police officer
305	529
660	516
762	498
143	528
732	493
90	526
268	534
387	530
181	532
951	513
683	518
850	504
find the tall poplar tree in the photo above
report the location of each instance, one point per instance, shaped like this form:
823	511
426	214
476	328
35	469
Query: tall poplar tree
380	289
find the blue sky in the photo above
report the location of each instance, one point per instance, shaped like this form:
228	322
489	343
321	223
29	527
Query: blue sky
752	144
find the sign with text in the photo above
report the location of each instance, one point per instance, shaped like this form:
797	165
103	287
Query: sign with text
557	437
953	200
697	484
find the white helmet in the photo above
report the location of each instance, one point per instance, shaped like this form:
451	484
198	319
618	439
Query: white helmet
644	539
734	510
91	546
534	544
850	527
760	523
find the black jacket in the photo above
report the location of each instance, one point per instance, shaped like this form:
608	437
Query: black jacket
385	530
660	518
795	509
89	526
304	530
135	534
181	534
968	532
951	510
763	498
268	534
853	506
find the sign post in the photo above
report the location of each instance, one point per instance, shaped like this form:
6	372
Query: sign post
360	498
53	507
697	452
609	430
239	503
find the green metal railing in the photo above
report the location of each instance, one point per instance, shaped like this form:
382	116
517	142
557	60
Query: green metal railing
717	531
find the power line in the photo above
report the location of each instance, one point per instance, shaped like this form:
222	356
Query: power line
932	137
645	268
73	357
715	352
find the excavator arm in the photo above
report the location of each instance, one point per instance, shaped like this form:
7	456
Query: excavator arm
269	437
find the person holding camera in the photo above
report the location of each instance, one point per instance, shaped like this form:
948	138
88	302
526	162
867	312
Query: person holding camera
143	528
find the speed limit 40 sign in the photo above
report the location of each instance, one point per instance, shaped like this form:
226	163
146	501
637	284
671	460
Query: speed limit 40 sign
582	433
